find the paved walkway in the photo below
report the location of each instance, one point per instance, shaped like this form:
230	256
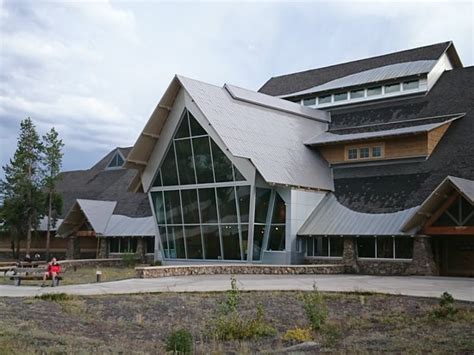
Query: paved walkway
460	288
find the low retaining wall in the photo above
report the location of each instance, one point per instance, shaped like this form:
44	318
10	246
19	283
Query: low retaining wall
90	262
188	270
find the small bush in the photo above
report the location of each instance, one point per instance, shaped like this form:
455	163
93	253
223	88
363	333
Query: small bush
332	333
234	327
232	297
55	297
180	342
446	307
129	259
315	308
297	335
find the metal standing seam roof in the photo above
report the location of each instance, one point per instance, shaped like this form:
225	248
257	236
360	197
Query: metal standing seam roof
123	226
97	213
332	218
330	138
384	73
437	197
269	137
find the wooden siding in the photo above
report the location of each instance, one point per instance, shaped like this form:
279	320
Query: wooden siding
393	148
434	137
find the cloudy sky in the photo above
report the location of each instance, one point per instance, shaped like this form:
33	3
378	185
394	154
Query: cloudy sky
96	69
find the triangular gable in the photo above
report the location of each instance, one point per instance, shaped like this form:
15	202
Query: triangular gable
97	213
270	137
445	194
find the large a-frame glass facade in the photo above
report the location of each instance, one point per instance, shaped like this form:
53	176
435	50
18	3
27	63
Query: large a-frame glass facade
201	200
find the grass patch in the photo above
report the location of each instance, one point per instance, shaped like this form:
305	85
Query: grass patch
297	335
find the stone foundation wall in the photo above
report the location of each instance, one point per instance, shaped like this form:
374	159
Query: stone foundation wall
383	267
187	270
314	260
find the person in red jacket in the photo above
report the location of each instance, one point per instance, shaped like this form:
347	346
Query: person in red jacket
52	272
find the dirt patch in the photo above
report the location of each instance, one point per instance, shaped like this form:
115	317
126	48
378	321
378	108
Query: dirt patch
141	323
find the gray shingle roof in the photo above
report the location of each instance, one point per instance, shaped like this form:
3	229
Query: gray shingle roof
332	218
387	72
291	83
97	183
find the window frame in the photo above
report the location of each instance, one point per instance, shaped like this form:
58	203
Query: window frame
329	238
359	147
394	251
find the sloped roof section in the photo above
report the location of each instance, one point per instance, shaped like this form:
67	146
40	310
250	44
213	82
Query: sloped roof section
251	126
332	218
97	213
387	72
270	138
123	226
464	187
275	103
295	82
331	138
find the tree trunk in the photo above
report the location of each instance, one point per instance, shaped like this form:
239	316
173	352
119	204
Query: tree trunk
28	235
48	230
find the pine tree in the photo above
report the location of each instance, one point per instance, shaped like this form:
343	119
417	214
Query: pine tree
52	160
23	197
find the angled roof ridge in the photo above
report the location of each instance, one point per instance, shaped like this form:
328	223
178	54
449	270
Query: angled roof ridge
275	103
399	121
448	43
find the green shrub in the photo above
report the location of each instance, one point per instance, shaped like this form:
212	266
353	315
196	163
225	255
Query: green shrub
129	259
446	307
297	335
230	325
315	308
180	342
156	263
234	327
55	297
332	333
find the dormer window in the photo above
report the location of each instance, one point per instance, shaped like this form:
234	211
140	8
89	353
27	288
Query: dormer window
411	85
116	162
365	151
392	88
357	94
340	96
309	102
324	99
376	90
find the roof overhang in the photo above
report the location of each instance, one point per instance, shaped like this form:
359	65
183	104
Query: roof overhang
444	190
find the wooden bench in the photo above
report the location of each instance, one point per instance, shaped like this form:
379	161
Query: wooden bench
20	274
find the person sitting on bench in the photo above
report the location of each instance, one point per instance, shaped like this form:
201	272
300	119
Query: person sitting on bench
52	272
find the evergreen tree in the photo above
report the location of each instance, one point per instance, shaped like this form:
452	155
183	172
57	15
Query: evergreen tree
23	197
52	160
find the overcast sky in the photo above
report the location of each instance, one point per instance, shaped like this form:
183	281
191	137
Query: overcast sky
95	70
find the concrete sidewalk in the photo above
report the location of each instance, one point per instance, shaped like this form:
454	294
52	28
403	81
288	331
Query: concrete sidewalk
460	288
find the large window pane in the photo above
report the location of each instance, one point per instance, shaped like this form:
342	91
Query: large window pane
237	175
185	162
321	246
202	160
179	242
276	239
211	242
231	241
168	168
222	164
403	247
190	206
310	247
173	207
149	245
114	245
164	241
366	247
193	242
244	229
337	246
158	204
261	205
226	204
385	247
243	194
207	204
279	211
196	129
183	130
157	181
171	243
258	235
